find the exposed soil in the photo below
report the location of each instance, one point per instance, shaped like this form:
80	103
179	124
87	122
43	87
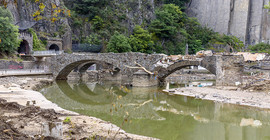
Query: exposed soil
13	118
25	113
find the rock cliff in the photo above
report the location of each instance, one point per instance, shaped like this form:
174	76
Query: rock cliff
23	11
246	19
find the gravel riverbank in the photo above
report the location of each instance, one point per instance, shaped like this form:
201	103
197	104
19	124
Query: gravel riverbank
24	113
225	95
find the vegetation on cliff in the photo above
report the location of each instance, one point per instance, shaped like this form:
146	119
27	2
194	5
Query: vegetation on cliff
9	41
169	31
144	25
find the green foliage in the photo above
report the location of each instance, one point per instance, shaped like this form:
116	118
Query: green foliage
89	8
37	44
141	40
260	48
235	43
97	23
67	120
6	13
179	3
169	19
118	43
9	41
94	39
169	33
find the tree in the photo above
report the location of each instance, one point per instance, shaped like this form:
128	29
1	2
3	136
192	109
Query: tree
169	19
118	44
93	39
89	8
234	43
141	40
9	33
179	3
260	48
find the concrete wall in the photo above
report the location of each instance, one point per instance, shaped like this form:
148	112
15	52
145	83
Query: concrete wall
246	19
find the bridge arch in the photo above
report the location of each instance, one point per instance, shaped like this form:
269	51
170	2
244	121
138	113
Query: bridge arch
165	72
85	64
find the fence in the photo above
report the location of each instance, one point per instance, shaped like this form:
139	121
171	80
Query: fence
86	48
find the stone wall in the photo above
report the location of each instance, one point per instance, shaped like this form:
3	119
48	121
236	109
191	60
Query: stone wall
55	41
6	64
229	70
29	38
246	19
143	79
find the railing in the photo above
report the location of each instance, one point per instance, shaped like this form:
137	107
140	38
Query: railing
49	52
8	72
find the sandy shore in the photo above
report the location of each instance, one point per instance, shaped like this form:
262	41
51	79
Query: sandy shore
225	95
81	126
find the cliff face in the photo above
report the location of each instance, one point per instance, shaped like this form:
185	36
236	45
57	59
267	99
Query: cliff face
135	12
246	19
23	16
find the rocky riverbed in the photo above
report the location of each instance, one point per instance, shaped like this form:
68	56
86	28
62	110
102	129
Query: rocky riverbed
24	114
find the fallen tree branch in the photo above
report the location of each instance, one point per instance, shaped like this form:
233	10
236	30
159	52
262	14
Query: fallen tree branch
140	67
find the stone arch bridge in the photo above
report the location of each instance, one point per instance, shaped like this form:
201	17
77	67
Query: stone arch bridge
228	69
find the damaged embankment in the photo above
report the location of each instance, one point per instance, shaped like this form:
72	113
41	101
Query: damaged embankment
25	114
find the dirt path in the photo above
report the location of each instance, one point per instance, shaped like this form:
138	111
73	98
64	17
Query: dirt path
226	95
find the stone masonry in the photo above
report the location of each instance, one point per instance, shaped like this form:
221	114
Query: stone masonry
227	68
63	64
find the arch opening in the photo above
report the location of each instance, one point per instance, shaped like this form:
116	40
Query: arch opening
79	67
24	48
189	68
54	47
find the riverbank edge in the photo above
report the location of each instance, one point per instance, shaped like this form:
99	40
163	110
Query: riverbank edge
226	95
21	95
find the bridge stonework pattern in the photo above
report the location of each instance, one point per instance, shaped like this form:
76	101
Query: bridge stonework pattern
228	69
62	65
164	72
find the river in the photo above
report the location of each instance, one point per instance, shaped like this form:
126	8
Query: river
150	112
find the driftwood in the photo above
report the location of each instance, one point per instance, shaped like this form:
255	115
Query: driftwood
140	67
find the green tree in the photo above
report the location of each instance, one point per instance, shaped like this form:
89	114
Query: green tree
97	23
9	41
180	3
169	19
260	48
89	8
234	43
94	39
118	44
141	40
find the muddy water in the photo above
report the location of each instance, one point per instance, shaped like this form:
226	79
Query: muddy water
156	114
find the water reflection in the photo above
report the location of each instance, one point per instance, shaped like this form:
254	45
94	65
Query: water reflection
153	113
